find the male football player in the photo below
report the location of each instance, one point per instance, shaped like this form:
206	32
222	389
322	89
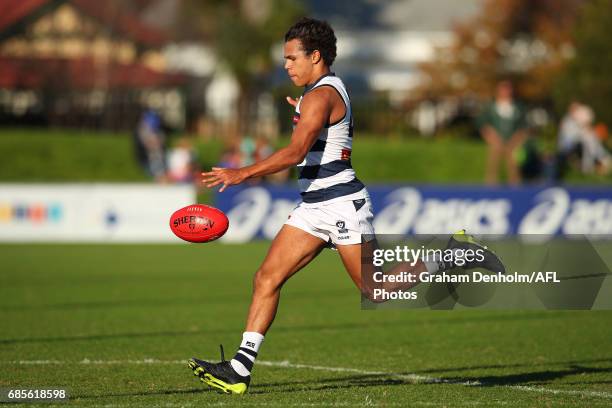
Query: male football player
335	208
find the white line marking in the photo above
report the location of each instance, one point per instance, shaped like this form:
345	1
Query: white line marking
600	394
412	378
366	403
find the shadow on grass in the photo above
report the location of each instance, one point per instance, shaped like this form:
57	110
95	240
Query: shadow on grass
544	377
541	377
77	397
517	365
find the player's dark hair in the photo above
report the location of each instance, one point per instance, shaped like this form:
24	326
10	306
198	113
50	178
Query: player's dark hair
314	35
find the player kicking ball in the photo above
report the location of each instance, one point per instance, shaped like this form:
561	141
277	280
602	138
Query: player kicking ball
335	208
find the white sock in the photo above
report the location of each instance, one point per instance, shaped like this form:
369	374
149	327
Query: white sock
243	361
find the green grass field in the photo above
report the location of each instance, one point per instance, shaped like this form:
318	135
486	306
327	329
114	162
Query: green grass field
115	324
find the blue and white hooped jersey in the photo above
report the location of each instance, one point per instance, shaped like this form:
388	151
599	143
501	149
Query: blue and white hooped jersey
326	173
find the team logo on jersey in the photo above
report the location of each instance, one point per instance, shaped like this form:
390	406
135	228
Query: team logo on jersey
341	229
346	154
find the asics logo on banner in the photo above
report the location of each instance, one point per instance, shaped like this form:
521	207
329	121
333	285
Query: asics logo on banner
341	229
250	344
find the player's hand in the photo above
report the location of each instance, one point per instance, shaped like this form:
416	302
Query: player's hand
220	175
292	101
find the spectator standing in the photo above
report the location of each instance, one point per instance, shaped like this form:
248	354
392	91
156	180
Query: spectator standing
182	163
594	155
150	145
580	143
503	126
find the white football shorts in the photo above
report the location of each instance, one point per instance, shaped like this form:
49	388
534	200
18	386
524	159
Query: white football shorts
341	222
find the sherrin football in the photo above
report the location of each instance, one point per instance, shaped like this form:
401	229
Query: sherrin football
199	223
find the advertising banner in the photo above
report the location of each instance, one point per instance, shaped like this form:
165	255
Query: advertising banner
260	211
90	212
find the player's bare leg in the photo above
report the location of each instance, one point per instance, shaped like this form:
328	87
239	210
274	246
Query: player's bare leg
291	250
362	273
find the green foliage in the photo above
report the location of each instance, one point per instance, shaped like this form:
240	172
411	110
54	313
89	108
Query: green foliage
208	153
39	155
242	36
67	155
377	115
587	77
497	44
418	160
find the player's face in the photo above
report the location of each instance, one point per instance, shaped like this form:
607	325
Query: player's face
299	66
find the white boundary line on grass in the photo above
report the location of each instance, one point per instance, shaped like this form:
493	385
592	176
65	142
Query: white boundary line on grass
413	378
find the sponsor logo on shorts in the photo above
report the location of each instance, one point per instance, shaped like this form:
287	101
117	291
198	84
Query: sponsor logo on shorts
344	237
341	229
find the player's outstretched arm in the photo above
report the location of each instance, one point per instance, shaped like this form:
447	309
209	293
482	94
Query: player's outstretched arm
314	114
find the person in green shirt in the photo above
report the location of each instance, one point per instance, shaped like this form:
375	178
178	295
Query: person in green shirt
502	125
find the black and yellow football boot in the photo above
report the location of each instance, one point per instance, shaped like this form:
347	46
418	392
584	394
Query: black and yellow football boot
486	258
220	376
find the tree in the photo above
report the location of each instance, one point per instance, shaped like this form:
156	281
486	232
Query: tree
243	33
587	77
528	41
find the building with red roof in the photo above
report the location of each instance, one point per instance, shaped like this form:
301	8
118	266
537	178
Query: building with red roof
65	60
